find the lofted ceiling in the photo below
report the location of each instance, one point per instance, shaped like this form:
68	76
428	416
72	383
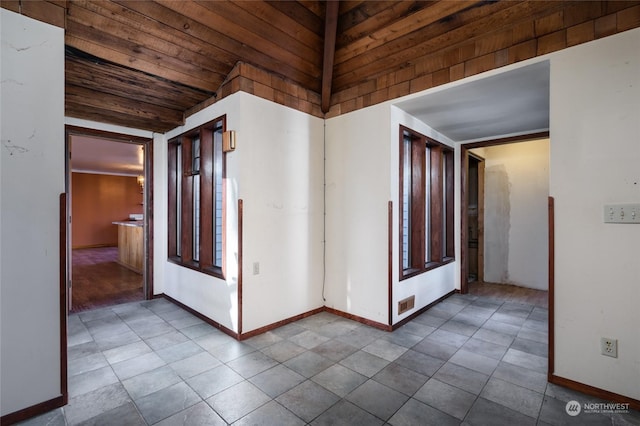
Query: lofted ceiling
143	64
147	64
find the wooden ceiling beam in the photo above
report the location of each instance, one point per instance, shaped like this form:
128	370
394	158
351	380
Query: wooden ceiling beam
102	115
330	28
137	110
120	81
155	67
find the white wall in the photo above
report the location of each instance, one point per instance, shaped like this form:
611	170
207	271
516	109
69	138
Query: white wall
362	177
32	178
357	195
595	159
277	170
516	214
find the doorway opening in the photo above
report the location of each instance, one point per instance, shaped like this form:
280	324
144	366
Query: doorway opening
109	239
504	212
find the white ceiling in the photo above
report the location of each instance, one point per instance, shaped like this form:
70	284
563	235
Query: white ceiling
104	156
511	103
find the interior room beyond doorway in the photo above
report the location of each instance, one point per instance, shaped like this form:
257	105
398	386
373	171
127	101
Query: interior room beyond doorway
507	214
107	202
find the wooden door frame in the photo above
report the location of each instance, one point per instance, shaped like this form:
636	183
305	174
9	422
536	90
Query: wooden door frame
464	191
147	144
480	190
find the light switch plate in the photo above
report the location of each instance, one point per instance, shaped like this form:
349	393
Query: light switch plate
622	213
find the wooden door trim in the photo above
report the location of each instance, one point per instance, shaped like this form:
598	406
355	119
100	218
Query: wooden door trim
63	297
481	220
464	190
390	261
147	144
464	219
551	295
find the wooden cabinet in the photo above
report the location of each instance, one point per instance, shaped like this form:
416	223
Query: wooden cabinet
130	245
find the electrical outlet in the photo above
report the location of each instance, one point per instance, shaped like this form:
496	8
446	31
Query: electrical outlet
609	347
256	268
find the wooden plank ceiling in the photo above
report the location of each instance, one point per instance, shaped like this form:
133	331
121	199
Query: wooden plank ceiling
142	64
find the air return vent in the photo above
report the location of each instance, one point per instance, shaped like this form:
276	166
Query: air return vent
406	304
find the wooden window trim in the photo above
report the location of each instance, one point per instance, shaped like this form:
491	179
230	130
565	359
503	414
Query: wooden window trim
440	172
207	210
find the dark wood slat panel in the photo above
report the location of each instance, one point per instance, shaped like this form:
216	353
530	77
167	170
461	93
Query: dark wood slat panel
120	81
299	13
354	13
44	11
140	110
372	16
12	5
173	27
176	54
436	37
102	115
397	29
61	3
273	17
158	36
269	37
329	53
618	5
422	41
315	6
112	39
575	14
125	59
198	26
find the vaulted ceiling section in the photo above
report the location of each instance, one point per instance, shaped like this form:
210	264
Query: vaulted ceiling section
148	64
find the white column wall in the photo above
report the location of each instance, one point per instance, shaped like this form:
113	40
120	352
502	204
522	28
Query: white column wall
357	196
280	166
32	178
277	170
595	159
